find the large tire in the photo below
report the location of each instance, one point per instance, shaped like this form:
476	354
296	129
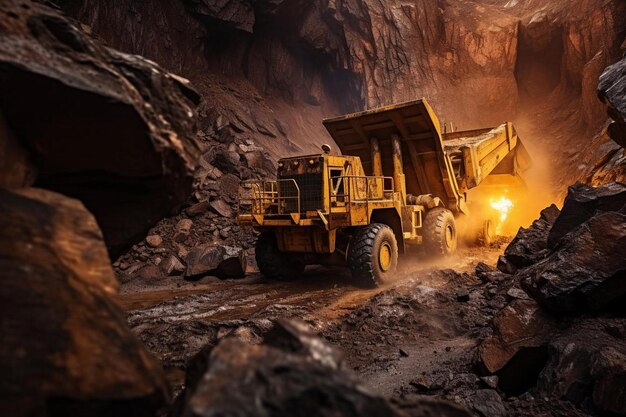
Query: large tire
439	232
373	255
273	263
488	232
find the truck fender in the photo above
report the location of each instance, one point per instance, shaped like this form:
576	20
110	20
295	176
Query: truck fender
391	218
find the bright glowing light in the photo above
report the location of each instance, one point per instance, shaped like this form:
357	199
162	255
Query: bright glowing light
503	206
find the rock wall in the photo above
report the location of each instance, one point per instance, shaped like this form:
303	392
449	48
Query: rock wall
113	130
271	70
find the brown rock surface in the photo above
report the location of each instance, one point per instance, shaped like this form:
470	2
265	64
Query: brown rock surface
612	91
293	373
582	203
530	244
220	261
66	349
520	325
587	270
113	130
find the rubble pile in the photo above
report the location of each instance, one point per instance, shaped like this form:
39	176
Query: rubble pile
95	147
288	372
204	238
566	341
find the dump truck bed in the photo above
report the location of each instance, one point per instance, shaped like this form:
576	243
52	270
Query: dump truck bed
426	167
477	154
442	165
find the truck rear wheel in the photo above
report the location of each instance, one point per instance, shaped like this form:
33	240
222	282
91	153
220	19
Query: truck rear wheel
488	232
273	263
373	255
439	232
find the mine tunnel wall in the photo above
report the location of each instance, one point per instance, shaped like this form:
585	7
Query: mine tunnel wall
364	55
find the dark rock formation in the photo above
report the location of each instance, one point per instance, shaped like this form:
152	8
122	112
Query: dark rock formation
580	362
574	260
111	129
529	245
66	349
293	373
220	261
587	366
582	273
587	270
581	204
612	91
520	327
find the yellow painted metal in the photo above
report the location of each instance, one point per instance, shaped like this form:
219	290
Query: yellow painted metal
384	257
426	166
377	164
487	152
349	198
297	239
398	171
400	161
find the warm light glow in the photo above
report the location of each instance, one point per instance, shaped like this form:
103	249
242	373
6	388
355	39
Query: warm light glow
503	206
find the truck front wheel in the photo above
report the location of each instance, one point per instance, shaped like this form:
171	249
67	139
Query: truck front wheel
439	232
373	255
273	263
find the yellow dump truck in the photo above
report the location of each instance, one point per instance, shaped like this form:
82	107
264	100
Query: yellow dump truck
398	182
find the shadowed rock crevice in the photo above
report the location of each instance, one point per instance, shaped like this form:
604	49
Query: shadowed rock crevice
539	59
113	130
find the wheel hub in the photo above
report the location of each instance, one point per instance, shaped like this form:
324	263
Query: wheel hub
384	257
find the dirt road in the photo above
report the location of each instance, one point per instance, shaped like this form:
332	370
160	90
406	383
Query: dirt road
382	331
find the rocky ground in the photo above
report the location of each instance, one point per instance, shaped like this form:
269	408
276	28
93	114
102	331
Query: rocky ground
498	342
120	255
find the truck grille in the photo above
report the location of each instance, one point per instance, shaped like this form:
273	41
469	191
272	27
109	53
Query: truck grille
310	192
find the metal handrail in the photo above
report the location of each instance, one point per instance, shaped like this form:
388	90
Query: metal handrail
265	194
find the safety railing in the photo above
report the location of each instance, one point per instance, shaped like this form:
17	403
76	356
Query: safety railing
280	197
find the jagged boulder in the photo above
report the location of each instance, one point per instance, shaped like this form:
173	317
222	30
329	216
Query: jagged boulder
292	373
582	361
66	348
587	270
113	130
529	245
581	204
587	366
520	328
612	91
219	261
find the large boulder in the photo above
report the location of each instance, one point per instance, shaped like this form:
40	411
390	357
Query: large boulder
66	349
292	373
219	261
581	204
587	271
587	366
112	130
517	350
529	245
612	91
581	361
